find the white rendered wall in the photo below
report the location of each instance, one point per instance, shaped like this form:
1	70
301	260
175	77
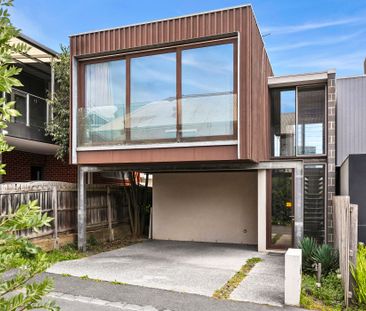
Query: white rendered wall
206	207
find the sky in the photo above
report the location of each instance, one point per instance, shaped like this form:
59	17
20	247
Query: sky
300	35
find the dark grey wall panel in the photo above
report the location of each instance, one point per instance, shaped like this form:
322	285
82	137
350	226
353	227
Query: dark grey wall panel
351	117
357	188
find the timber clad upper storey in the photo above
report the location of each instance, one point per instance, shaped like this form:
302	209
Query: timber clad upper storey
191	88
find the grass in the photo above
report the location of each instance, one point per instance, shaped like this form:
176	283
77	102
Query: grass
328	297
225	291
70	251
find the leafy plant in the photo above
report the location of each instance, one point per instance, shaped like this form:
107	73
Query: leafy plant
308	247
313	253
18	292
58	127
328	257
359	274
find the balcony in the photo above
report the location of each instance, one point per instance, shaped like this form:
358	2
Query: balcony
35	114
203	118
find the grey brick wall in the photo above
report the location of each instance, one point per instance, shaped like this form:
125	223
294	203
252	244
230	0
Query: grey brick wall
331	153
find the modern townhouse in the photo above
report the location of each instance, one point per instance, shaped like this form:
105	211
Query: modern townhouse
238	154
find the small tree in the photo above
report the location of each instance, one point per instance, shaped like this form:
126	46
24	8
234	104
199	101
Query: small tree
58	127
18	292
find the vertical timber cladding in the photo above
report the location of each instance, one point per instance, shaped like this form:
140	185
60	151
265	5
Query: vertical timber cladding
253	67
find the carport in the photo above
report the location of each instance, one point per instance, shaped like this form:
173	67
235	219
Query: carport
235	211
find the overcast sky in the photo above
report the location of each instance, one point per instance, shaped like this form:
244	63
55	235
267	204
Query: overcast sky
300	36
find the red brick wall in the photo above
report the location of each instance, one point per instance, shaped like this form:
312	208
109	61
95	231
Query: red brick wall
18	167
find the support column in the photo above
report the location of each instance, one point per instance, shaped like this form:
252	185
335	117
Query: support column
299	204
262	210
81	209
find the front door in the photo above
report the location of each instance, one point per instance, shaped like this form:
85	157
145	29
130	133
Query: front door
280	209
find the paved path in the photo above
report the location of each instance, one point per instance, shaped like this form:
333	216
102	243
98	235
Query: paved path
265	283
75	294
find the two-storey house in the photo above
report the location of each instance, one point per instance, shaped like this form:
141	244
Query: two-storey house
237	154
33	157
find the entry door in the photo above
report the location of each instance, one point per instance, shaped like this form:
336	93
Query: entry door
280	207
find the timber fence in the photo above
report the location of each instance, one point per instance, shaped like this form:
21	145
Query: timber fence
345	222
106	205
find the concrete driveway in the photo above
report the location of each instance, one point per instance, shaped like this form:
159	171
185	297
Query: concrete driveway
190	267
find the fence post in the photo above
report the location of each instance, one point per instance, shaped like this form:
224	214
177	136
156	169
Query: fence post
109	206
345	238
55	218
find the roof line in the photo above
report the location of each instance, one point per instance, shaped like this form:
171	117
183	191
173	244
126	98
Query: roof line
163	19
300	74
353	77
37	44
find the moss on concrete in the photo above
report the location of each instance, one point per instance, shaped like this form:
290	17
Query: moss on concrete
225	291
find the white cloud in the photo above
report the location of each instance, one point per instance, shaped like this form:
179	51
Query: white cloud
307	26
320	42
346	62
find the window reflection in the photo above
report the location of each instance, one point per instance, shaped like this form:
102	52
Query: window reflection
283	122
311	117
208	91
153	97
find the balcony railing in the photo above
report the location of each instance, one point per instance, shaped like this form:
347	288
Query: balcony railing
205	117
34	109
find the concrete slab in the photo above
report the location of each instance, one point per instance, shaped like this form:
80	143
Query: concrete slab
265	282
186	267
197	268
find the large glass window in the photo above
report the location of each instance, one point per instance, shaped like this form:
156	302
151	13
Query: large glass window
103	118
283	122
311	115
314	201
184	94
153	97
208	91
298	121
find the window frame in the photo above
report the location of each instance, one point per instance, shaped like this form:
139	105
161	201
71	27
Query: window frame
177	49
296	87
325	194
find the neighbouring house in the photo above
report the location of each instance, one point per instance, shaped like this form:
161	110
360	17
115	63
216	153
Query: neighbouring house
238	155
33	157
351	144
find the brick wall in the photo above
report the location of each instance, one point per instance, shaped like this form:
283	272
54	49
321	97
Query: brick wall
331	153
19	163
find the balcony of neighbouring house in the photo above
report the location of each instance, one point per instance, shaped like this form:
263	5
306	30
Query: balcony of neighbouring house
27	132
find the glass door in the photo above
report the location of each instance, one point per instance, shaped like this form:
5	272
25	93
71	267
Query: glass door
280	209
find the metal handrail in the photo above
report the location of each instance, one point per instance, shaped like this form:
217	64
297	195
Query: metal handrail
27	95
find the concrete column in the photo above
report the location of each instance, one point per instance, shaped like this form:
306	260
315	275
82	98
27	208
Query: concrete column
262	210
81	209
293	277
299	204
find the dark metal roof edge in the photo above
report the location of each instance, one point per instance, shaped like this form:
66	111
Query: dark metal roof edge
38	45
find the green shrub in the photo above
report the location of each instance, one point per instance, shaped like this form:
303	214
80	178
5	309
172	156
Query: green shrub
359	274
308	247
313	253
328	257
327	297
